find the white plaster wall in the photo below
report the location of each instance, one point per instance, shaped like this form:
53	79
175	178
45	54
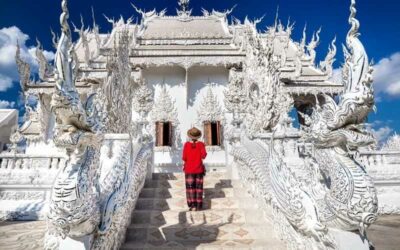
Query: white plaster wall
188	98
174	80
198	81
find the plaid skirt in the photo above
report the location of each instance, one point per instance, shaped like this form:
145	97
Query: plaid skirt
194	190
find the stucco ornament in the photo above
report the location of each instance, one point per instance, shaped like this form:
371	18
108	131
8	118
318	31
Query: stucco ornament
267	100
164	110
94	194
349	201
24	69
74	209
310	178
143	98
236	100
118	87
45	69
84	42
210	109
313	45
327	65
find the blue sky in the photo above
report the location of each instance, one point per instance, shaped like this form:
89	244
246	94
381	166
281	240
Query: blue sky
380	28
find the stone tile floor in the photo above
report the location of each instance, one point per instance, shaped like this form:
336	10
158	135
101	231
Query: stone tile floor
385	234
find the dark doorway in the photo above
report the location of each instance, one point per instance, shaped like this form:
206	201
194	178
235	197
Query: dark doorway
212	133
163	134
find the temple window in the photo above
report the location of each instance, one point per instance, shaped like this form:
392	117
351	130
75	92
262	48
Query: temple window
163	134
212	133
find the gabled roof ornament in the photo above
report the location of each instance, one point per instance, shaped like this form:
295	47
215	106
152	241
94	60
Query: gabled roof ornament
184	11
184	4
65	61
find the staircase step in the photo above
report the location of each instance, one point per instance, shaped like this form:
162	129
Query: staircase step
181	193
272	244
209	203
208	183
204	217
22	235
224	231
181	176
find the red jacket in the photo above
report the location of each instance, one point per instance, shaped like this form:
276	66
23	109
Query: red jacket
193	155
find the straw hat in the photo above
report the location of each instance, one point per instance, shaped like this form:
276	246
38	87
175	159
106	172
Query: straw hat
194	133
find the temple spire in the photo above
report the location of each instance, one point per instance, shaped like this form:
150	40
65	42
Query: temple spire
184	11
184	4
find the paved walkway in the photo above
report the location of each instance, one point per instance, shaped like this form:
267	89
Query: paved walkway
22	235
385	234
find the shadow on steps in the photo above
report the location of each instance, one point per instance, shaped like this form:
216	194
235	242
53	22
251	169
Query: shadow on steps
187	234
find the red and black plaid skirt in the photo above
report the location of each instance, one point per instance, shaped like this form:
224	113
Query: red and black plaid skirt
194	190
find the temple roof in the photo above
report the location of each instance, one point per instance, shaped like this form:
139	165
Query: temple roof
178	28
8	124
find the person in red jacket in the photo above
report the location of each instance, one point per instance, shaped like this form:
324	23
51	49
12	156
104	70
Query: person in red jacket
194	152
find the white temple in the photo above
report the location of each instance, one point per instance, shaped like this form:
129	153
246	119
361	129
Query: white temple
112	114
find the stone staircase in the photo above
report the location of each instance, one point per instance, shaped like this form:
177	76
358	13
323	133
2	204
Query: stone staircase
231	218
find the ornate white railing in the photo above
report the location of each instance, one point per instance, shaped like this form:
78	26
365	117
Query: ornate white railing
384	168
25	184
381	165
24	169
119	177
287	177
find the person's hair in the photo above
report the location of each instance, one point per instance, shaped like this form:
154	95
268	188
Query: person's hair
194	143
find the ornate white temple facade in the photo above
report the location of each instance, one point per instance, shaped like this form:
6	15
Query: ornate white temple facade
114	109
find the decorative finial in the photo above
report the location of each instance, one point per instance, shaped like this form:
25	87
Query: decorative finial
355	24
184	4
64	18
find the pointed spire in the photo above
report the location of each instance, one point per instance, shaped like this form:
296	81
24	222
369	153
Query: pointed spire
66	63
327	64
276	17
44	67
304	38
54	38
355	24
64	19
184	4
24	69
184	12
94	20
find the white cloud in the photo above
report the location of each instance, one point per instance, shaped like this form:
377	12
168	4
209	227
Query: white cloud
5	82
380	130
382	134
6	104
387	75
9	37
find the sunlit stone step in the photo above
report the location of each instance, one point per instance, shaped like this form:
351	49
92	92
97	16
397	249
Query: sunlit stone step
181	176
205	217
264	244
223	231
208	183
180	203
181	193
22	235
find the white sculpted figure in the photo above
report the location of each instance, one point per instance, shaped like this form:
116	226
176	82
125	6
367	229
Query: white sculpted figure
346	199
74	209
94	195
310	177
